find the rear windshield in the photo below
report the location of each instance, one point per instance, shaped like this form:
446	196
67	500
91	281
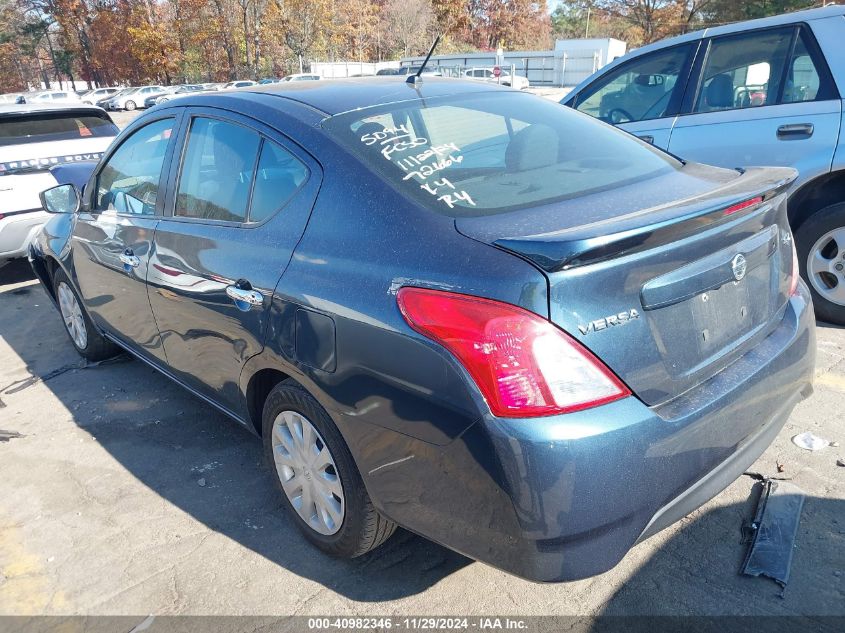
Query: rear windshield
494	152
42	127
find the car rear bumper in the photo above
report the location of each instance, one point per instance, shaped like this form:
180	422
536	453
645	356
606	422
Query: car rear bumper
17	230
566	497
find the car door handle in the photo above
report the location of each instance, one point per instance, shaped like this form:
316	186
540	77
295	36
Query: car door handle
244	298
648	138
129	260
795	131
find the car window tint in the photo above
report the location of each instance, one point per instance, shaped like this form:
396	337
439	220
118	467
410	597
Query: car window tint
277	178
217	171
802	80
638	90
744	71
43	127
128	183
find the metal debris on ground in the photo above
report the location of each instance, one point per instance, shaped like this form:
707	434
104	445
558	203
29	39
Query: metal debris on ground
771	533
810	442
5	436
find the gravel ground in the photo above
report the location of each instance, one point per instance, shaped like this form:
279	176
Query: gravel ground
122	494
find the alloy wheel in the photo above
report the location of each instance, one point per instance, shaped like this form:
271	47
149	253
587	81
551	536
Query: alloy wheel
308	472
826	266
72	316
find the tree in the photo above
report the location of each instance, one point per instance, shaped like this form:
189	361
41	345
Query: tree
409	25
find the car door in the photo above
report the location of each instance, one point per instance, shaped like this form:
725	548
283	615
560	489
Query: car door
113	236
763	97
239	202
643	95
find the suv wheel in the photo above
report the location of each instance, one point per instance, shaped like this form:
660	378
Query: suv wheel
130	105
85	338
820	242
321	487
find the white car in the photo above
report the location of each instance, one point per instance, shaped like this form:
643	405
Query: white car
238	84
93	96
132	98
34	138
53	96
505	79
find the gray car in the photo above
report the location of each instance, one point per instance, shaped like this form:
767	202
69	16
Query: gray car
763	92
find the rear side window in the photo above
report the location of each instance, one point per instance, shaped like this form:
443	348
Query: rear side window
217	171
744	71
54	126
279	175
493	152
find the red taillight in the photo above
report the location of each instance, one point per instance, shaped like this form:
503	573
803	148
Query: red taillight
796	272
743	205
523	365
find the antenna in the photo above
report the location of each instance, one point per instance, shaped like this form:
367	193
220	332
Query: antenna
417	79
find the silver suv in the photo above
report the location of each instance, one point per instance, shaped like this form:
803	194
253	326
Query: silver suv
762	92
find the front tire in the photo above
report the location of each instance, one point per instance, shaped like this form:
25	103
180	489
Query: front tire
130	105
320	484
85	338
820	242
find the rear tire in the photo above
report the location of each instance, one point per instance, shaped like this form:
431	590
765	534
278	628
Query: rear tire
360	528
83	334
820	242
130	105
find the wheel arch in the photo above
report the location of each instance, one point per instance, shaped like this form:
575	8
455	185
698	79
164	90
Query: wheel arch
815	195
259	386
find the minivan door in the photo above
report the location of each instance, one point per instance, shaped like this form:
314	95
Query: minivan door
113	235
239	204
765	97
643	95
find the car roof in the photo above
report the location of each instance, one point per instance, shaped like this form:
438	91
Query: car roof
7	109
334	96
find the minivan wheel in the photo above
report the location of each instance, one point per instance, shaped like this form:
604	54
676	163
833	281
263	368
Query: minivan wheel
820	242
130	105
321	487
85	338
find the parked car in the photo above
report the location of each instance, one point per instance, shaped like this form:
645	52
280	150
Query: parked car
52	96
238	84
387	71
177	91
301	77
33	138
153	97
269	80
763	92
489	74
91	97
461	308
132	98
12	97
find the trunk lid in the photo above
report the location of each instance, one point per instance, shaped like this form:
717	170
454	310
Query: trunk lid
695	278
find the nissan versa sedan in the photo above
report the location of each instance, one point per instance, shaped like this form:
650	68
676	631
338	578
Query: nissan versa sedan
447	306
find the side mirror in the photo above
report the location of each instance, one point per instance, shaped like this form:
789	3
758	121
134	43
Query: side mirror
61	199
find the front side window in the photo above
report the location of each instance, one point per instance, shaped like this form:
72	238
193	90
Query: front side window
744	71
479	155
217	171
129	181
639	90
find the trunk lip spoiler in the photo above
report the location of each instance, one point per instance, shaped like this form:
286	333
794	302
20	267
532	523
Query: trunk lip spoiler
590	244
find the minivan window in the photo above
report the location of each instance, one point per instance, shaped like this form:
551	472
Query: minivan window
129	181
744	71
638	90
217	171
493	152
45	127
279	175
